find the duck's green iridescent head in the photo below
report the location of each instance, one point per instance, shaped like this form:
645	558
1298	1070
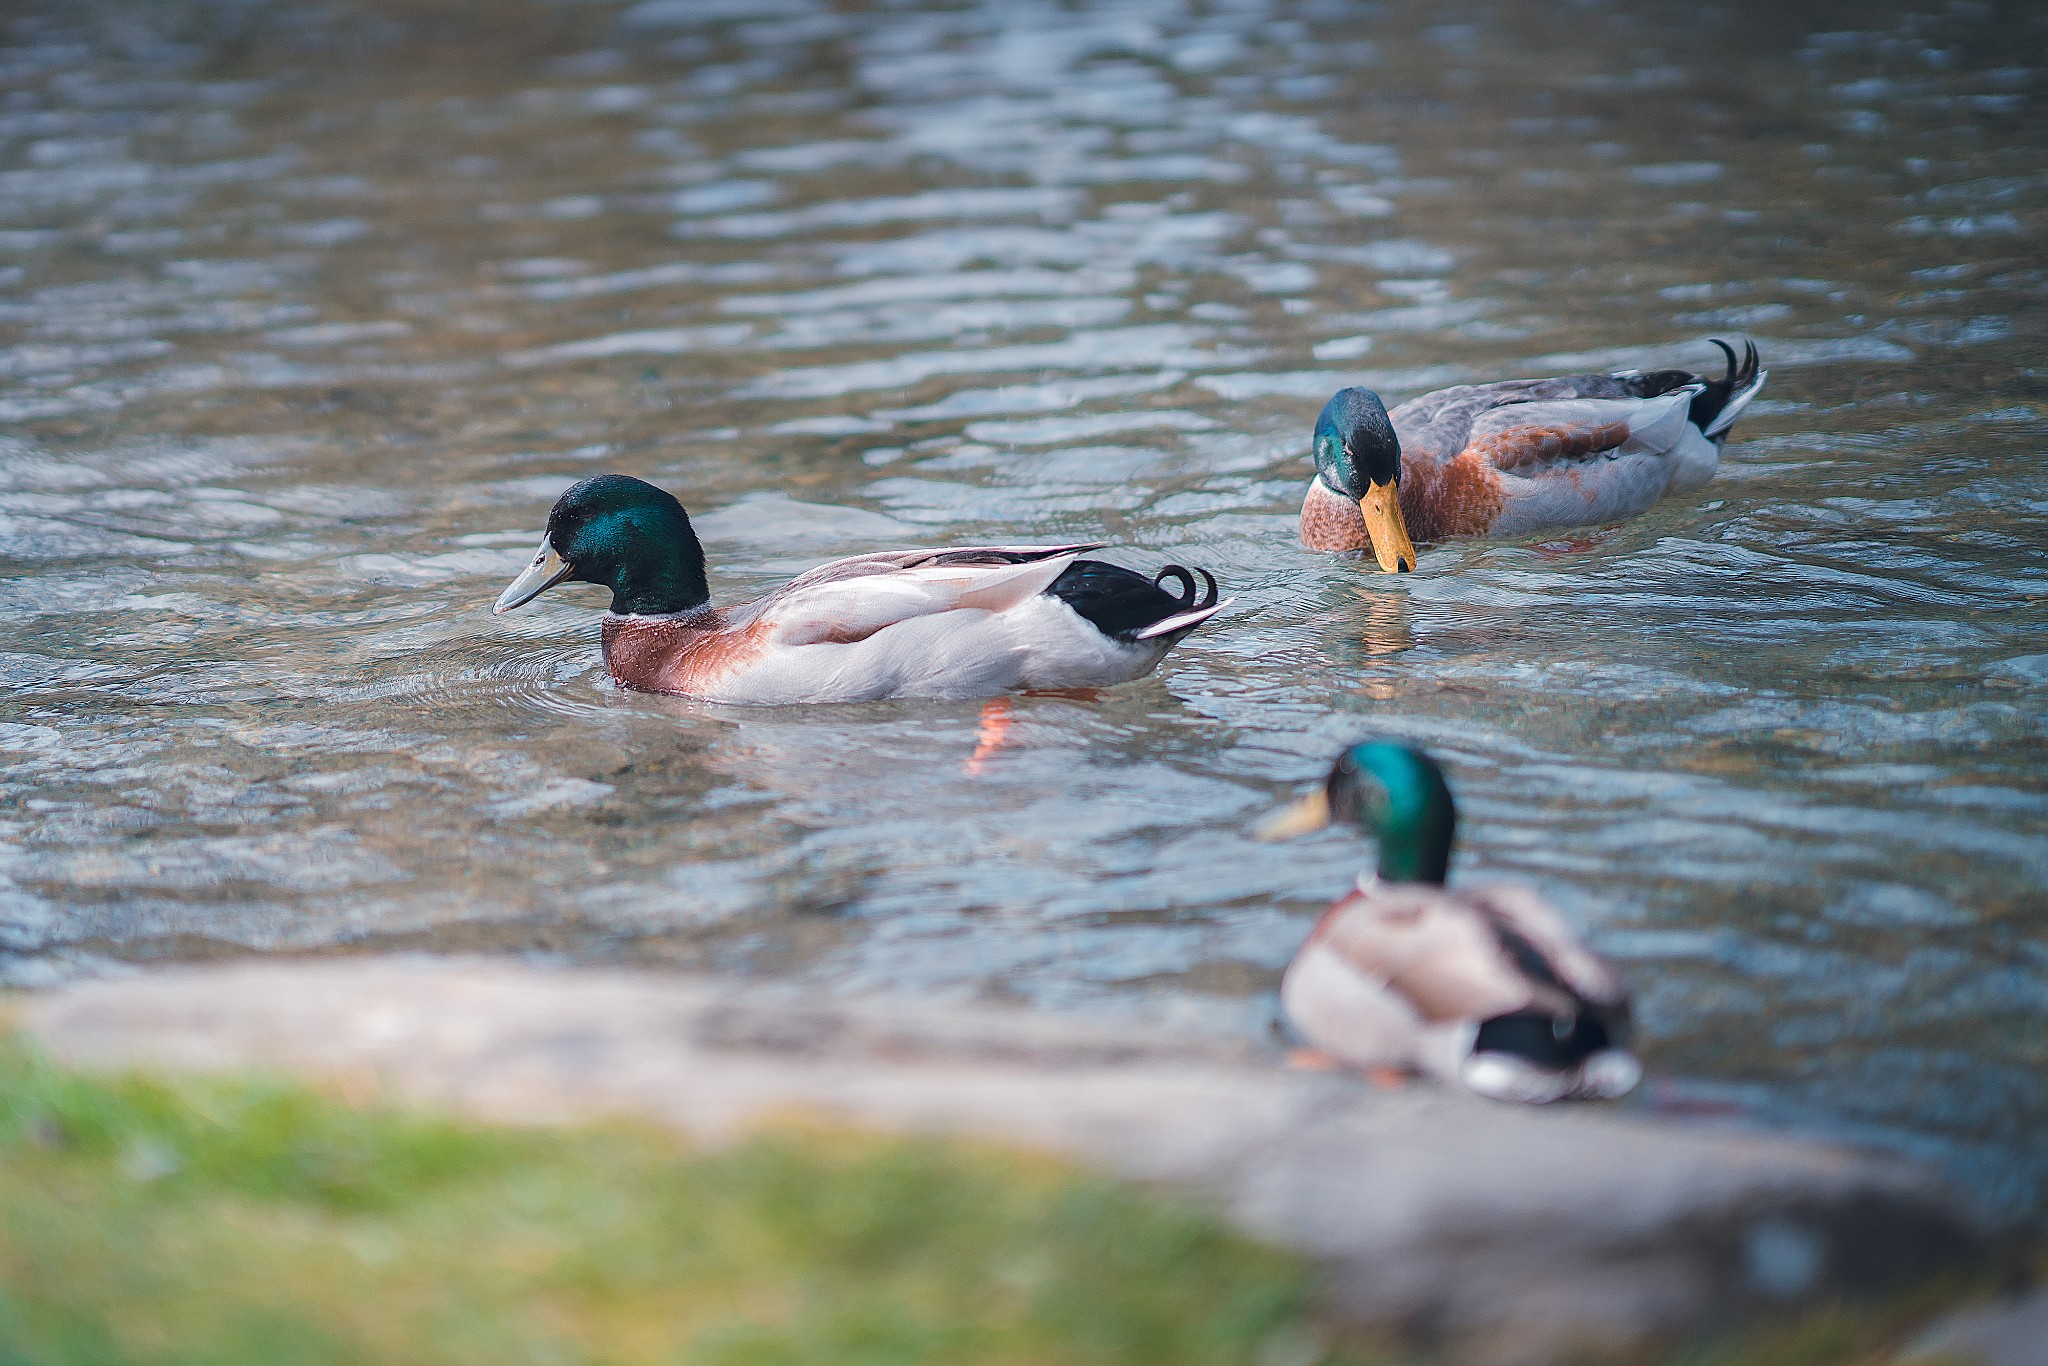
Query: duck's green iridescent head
625	534
1358	455
1396	794
1355	446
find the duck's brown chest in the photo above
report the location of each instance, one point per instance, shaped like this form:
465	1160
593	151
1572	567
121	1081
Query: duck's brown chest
1331	522
661	654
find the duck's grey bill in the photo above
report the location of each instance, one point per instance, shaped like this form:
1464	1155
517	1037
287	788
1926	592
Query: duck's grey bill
547	570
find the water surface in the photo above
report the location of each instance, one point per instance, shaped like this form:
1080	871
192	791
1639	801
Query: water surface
310	310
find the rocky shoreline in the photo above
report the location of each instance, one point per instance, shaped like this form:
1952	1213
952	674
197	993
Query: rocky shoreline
1484	1232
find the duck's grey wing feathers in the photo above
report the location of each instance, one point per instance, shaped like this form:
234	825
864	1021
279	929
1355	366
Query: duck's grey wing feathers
893	561
1543	431
1561	960
1433	947
851	600
1444	422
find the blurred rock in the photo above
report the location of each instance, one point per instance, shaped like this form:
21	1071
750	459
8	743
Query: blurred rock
1493	1233
2008	1333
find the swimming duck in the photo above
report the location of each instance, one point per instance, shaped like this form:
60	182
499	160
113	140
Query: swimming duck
963	621
1517	456
1482	985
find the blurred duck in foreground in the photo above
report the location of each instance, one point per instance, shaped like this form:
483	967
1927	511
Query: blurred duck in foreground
1483	985
1515	457
964	621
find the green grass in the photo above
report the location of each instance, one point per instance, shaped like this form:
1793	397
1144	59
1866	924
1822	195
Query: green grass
236	1221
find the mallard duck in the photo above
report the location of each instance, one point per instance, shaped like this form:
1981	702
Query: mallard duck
963	621
1514	457
1483	985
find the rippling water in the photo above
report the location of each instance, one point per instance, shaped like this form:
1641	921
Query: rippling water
309	310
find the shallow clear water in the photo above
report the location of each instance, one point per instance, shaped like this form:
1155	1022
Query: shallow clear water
308	312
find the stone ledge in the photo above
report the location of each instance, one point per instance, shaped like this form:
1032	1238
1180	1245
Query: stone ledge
1494	1233
2013	1332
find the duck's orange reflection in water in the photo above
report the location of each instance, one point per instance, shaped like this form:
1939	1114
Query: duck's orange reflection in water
1386	630
1315	1060
998	719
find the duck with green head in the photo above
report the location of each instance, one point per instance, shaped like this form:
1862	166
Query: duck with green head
1483	985
1515	456
959	621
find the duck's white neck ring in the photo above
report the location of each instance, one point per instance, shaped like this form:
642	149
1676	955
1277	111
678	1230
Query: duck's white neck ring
683	615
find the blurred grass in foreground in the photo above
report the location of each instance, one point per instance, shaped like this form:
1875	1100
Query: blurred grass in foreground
238	1222
235	1221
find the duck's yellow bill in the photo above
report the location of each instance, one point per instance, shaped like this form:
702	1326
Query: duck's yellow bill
547	570
1310	813
1388	528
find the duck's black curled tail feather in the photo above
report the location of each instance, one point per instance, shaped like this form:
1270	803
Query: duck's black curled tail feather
1742	373
1122	603
1715	395
1188	598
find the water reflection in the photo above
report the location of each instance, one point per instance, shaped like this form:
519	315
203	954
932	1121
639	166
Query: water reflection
309	312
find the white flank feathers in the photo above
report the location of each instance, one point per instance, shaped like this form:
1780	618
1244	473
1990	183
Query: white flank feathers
1347	1014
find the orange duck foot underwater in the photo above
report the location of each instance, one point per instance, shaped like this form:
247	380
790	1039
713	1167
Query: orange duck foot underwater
1484	986
963	621
1515	457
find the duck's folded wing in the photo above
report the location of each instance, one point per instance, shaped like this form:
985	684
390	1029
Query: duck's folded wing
1433	948
1531	920
1442	422
850	600
1519	436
